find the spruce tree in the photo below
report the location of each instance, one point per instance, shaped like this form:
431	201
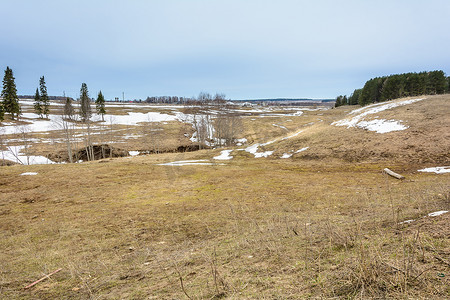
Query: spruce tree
353	99
45	103
68	109
100	105
2	112
85	103
9	94
37	103
338	101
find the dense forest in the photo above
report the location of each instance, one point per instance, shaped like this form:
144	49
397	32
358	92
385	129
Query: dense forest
390	87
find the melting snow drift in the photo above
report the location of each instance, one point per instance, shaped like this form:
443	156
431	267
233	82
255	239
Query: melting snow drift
14	154
437	170
433	214
287	155
28	173
379	126
253	149
437	213
203	162
224	155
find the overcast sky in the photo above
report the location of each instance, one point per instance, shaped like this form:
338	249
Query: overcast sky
243	48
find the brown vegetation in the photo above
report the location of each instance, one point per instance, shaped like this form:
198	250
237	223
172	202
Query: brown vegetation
324	224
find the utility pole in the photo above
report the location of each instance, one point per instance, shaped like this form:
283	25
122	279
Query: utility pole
123	96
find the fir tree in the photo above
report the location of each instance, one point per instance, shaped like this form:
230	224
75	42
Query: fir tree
85	103
68	109
45	103
9	94
100	105
37	103
2	112
353	99
338	101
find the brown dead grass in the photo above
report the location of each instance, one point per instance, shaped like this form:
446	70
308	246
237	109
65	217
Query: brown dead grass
307	227
426	141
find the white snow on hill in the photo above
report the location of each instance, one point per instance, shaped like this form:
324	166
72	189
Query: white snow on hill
28	174
224	155
379	126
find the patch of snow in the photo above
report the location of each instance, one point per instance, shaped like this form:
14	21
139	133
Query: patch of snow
280	126
134	153
433	214
133	118
437	213
269	142
286	155
407	221
139	105
224	155
358	110
203	162
263	154
437	170
242	141
298	113
369	110
381	125
292	135
28	173
14	154
253	149
36	125
40	125
301	150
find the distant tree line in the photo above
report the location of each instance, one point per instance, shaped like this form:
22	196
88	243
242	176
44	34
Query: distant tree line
55	98
201	98
390	87
167	99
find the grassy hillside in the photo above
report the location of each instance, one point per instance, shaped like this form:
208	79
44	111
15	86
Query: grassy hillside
324	223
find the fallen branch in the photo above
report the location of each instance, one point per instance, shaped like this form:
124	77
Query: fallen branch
394	268
442	260
46	276
182	285
393	174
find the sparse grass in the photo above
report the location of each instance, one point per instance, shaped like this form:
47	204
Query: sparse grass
235	231
270	228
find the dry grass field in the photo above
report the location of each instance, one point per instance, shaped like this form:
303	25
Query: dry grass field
325	223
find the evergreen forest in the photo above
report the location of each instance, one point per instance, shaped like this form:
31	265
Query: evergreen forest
390	87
